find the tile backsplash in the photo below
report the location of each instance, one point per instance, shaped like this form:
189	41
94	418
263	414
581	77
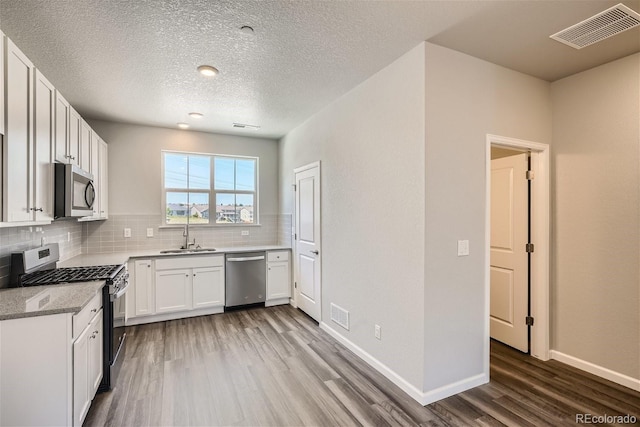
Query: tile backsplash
67	233
108	236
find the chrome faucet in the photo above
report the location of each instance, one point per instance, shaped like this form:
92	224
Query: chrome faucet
187	244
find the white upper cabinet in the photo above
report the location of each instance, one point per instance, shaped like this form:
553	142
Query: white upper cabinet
94	168
85	146
103	182
62	134
74	136
2	42
17	187
44	119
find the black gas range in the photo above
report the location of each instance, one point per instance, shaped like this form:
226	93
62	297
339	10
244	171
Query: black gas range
37	267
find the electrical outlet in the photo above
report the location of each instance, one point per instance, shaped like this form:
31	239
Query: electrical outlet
463	247
149	232
245	232
127	232
378	332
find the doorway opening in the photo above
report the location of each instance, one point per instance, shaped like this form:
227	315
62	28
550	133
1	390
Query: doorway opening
537	233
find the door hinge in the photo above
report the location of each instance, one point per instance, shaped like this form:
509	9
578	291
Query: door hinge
295	236
295	188
295	285
530	175
529	320
529	248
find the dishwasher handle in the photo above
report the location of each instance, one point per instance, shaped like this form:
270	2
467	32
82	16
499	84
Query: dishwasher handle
250	258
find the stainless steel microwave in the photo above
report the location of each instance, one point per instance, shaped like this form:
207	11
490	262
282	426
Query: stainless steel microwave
74	192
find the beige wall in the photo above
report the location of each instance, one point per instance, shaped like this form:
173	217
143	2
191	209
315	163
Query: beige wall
596	216
466	99
371	145
135	163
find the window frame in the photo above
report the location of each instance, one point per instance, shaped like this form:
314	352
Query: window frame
212	192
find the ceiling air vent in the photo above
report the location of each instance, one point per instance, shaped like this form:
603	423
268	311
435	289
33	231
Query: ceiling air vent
599	27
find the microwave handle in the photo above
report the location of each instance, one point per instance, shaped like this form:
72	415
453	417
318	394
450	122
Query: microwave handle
90	194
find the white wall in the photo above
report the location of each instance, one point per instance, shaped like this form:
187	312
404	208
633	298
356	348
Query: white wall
371	145
135	163
596	216
466	99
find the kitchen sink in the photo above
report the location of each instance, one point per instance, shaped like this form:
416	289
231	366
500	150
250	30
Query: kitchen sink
188	251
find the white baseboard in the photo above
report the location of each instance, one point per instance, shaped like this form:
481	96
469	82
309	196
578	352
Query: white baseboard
424	398
608	374
141	320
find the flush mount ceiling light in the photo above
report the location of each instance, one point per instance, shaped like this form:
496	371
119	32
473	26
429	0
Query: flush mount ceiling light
207	70
183	125
605	24
247	30
246	126
196	115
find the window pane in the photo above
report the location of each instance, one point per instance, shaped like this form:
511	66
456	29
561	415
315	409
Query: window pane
175	170
245	174
199	208
199	172
177	207
224	173
244	208
225	208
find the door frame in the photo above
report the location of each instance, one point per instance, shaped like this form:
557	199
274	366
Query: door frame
539	268
295	224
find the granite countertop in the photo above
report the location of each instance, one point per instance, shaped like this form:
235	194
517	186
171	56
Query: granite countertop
122	257
16	303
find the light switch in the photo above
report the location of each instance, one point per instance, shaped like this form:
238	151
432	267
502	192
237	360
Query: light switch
245	232
127	232
463	247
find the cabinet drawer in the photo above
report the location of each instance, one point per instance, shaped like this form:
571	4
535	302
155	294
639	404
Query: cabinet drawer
278	256
83	318
189	262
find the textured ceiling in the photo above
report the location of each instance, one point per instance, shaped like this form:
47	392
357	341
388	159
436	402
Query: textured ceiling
135	60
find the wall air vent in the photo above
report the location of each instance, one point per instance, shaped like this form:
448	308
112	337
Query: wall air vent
246	126
606	24
340	316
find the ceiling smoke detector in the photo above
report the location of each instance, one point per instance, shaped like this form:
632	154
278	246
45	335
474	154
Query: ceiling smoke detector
605	24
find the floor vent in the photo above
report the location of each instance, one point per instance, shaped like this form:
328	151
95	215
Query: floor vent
599	27
340	316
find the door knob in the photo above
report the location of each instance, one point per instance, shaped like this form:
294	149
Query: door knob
315	252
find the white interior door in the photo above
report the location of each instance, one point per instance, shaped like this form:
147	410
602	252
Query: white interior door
509	258
307	241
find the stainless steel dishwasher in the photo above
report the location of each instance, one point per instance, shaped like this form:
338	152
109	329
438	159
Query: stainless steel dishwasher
245	278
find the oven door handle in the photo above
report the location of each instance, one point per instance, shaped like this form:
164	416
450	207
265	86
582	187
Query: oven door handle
119	293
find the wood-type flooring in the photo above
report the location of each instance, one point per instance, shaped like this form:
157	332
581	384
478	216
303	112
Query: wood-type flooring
275	367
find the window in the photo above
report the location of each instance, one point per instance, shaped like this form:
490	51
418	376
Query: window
194	182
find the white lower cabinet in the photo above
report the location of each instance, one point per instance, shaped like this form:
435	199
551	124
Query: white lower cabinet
175	287
278	278
173	290
50	367
87	368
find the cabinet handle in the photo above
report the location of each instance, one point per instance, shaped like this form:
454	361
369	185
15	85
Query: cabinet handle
314	252
95	310
186	275
194	274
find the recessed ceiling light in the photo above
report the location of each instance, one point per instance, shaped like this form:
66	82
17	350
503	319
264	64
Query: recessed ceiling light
196	115
183	125
247	30
207	70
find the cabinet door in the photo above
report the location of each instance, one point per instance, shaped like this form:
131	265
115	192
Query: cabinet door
81	399
2	41
208	287
19	135
95	354
173	290
143	285
103	156
94	168
73	150
85	145
278	280
44	104
61	140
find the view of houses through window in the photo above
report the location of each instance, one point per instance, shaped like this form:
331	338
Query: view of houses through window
192	181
